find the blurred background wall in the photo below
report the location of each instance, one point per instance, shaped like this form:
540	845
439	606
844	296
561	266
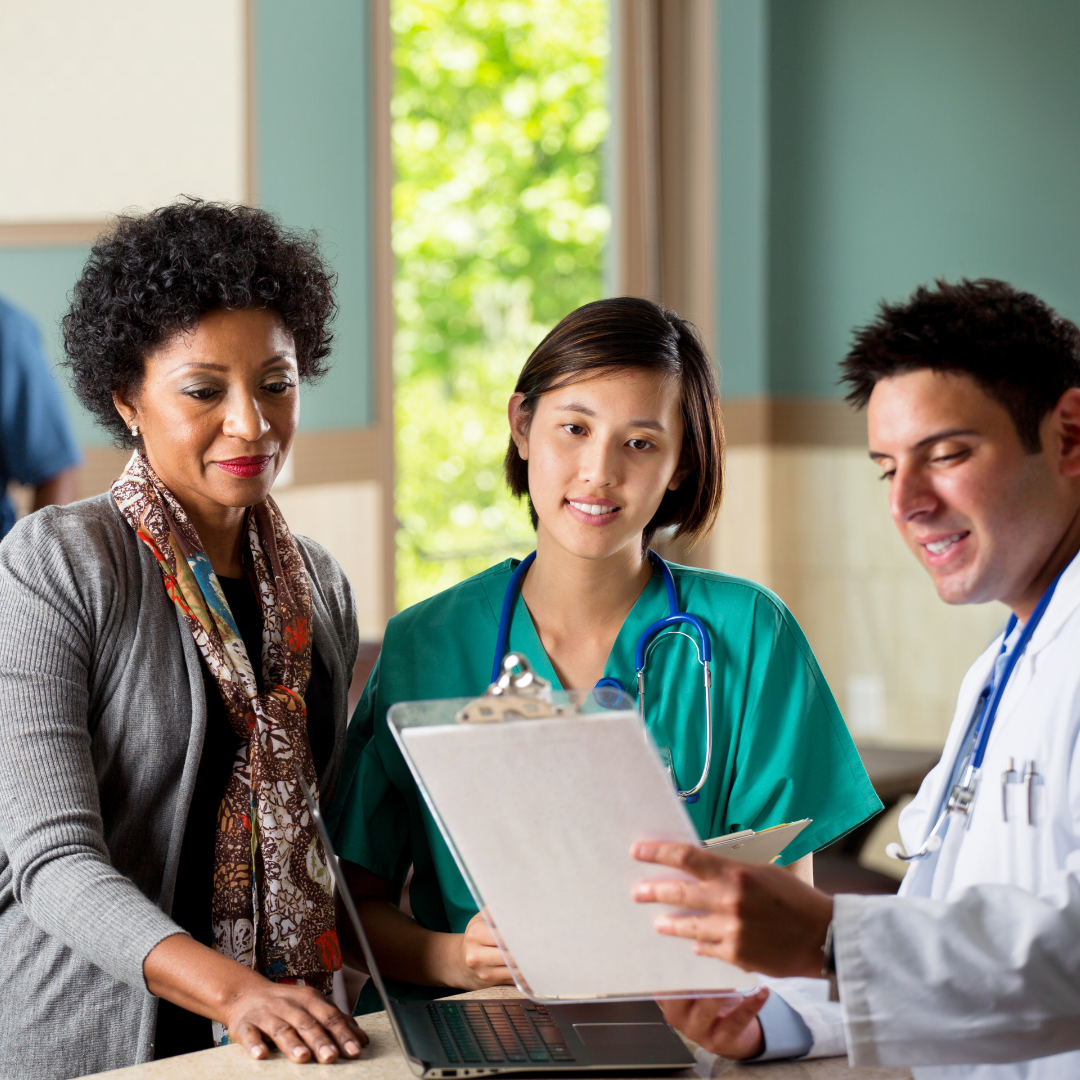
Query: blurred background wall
476	168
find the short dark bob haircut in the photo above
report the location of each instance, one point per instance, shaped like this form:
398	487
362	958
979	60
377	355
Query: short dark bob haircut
155	275
1016	348
608	336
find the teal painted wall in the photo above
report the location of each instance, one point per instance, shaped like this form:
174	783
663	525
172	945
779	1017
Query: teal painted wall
743	278
312	168
313	77
39	281
906	140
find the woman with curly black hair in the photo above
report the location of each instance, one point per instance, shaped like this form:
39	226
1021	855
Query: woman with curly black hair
170	653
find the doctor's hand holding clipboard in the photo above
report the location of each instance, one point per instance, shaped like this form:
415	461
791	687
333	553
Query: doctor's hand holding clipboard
759	918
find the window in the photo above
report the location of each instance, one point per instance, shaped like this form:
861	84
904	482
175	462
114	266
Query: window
499	223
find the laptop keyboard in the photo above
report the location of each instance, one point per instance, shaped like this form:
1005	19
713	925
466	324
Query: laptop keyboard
513	1032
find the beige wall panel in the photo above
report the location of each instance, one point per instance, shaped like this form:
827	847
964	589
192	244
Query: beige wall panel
741	542
118	103
812	523
347	520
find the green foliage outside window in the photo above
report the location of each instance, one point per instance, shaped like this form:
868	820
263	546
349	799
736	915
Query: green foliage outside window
499	116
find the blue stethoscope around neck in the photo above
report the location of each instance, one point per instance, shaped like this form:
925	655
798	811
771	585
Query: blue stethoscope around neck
645	644
962	796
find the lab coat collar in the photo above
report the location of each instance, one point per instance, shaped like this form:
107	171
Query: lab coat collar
1065	601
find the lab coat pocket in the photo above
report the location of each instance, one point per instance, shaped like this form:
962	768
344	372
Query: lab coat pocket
1024	807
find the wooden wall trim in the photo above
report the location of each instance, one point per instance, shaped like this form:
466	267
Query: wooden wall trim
663	77
32	234
792	422
251	149
635	74
101	466
687	159
335	457
318	457
382	266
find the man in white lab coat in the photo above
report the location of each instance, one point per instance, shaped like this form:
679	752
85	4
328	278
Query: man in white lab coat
973	399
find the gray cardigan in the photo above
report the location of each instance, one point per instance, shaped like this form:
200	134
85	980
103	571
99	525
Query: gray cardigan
102	715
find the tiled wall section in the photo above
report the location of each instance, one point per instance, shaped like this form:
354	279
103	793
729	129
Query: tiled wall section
813	525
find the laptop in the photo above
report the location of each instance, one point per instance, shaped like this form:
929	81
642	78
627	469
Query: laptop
451	1038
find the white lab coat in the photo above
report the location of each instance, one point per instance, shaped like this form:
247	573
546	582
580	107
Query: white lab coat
981	961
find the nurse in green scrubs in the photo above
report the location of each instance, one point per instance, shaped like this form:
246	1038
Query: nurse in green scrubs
615	432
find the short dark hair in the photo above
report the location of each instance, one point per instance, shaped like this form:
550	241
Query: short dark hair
1017	348
156	274
627	332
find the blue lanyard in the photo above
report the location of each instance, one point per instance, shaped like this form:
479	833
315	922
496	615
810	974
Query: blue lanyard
991	701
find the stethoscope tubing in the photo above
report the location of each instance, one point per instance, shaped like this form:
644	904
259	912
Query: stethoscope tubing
513	588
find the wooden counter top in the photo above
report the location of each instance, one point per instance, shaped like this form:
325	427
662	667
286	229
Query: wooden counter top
382	1060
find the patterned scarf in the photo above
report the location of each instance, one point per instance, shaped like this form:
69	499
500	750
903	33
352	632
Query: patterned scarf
273	907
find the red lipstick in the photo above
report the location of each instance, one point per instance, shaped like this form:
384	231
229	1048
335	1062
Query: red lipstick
245	467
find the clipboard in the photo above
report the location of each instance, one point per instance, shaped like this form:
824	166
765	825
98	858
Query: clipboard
539	807
765	846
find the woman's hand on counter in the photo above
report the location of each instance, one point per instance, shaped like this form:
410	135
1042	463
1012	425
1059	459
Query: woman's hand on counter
298	1019
727	1026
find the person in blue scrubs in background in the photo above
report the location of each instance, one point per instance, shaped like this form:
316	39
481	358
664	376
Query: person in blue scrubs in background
615	432
37	447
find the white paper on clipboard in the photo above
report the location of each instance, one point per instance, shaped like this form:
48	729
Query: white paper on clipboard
540	815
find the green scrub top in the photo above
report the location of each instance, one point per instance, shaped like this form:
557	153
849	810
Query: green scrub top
781	750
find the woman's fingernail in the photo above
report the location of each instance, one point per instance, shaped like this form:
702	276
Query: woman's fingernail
665	925
352	1048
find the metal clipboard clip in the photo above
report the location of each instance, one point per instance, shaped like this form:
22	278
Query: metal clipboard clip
521	696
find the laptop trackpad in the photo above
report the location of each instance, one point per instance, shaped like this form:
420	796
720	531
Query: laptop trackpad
625	1044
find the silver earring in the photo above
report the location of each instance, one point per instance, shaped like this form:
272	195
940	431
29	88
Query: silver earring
135	430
